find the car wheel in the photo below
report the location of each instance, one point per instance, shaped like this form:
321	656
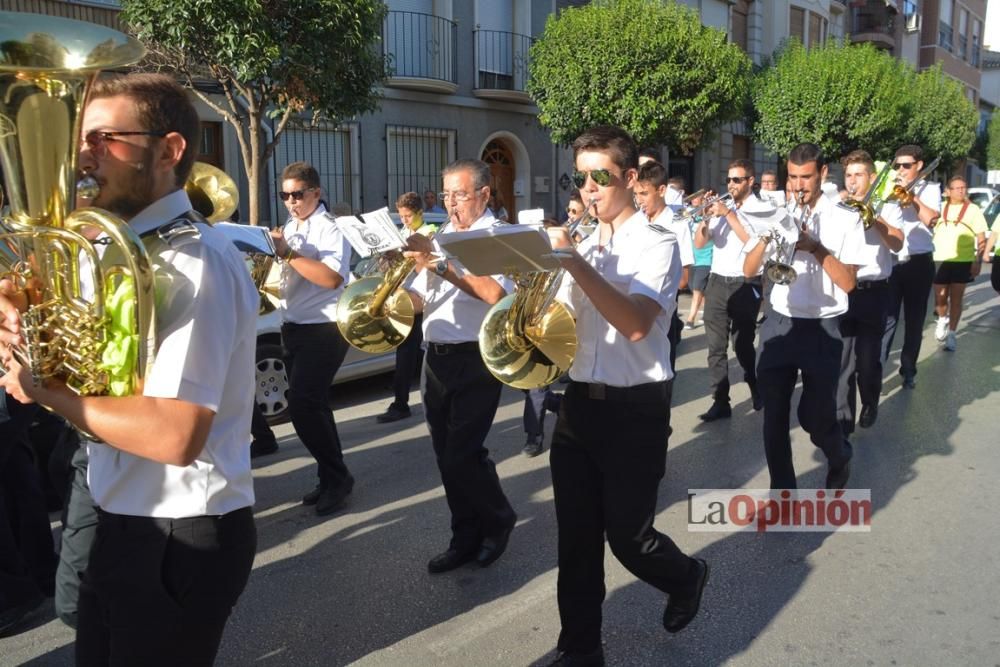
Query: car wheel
272	383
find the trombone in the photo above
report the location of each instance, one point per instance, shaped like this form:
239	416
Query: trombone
865	207
903	195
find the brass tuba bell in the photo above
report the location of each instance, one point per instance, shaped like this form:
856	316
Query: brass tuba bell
373	314
90	318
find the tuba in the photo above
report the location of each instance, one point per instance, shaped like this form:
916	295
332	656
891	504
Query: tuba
373	314
89	318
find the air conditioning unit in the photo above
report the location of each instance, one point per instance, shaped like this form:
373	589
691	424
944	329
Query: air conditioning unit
913	23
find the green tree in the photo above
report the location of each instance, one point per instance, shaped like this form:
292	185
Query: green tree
941	119
271	59
838	97
647	66
993	141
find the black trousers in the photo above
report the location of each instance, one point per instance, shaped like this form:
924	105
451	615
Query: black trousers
313	355
813	347
159	591
731	308
861	329
408	357
608	457
674	336
460	402
79	521
909	290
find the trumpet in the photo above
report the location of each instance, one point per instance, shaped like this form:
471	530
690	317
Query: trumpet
904	194
693	212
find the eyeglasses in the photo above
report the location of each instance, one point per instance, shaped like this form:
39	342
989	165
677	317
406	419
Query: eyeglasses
736	179
296	195
460	196
97	141
600	176
903	165
573	211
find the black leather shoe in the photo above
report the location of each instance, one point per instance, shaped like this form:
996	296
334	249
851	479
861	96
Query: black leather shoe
12	618
836	478
758	400
681	609
263	447
449	560
719	410
869	413
311	497
393	414
533	447
332	499
494	546
594	658
909	382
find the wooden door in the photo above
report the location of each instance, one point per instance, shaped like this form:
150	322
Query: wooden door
501	161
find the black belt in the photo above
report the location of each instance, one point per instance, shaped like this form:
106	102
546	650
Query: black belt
126	522
868	284
442	349
651	392
736	279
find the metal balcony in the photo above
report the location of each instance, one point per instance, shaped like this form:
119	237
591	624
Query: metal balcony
874	23
422	52
501	65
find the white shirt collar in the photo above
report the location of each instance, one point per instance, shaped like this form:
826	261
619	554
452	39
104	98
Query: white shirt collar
160	211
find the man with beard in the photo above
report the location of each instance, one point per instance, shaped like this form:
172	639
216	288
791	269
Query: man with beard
460	395
800	334
170	466
732	300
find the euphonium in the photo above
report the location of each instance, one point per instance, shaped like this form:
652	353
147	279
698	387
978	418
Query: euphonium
779	269
90	316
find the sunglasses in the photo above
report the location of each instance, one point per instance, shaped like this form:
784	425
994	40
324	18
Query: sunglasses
903	165
736	179
600	176
296	195
97	141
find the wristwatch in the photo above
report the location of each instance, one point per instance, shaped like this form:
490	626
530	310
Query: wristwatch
441	267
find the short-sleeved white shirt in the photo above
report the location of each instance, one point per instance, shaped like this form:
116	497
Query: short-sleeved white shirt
637	260
318	237
685	245
813	294
206	313
727	255
451	315
918	238
879	264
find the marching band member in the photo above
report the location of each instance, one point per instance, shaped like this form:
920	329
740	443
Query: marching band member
170	468
315	257
912	276
800	334
461	396
862	326
732	300
959	238
610	441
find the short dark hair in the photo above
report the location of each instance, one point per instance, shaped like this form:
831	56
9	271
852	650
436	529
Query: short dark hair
676	181
957	177
911	150
575	196
651	153
858	157
481	175
410	200
805	153
301	171
769	172
653	173
614	141
162	106
745	165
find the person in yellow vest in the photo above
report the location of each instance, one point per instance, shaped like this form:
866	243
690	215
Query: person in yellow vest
959	238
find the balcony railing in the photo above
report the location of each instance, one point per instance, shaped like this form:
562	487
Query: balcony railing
501	63
421	47
944	36
868	20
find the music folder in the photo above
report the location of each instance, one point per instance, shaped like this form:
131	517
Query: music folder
500	249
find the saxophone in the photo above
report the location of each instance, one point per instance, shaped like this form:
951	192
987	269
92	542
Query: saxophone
89	320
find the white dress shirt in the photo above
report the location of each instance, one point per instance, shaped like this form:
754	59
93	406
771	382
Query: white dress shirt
813	294
727	256
206	314
681	230
451	315
319	237
918	238
637	260
879	264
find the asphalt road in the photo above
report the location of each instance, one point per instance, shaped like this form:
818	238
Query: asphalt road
920	589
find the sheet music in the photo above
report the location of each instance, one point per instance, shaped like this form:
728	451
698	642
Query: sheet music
373	234
500	249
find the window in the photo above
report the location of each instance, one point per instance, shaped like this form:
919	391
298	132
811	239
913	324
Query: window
210	146
817	26
740	23
332	149
963	34
797	24
415	157
808	27
741	147
944	26
977	28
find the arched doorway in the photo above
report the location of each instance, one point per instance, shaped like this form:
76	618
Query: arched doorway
500	158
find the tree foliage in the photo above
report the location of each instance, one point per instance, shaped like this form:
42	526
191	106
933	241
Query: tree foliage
277	59
855	96
647	66
993	141
839	98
